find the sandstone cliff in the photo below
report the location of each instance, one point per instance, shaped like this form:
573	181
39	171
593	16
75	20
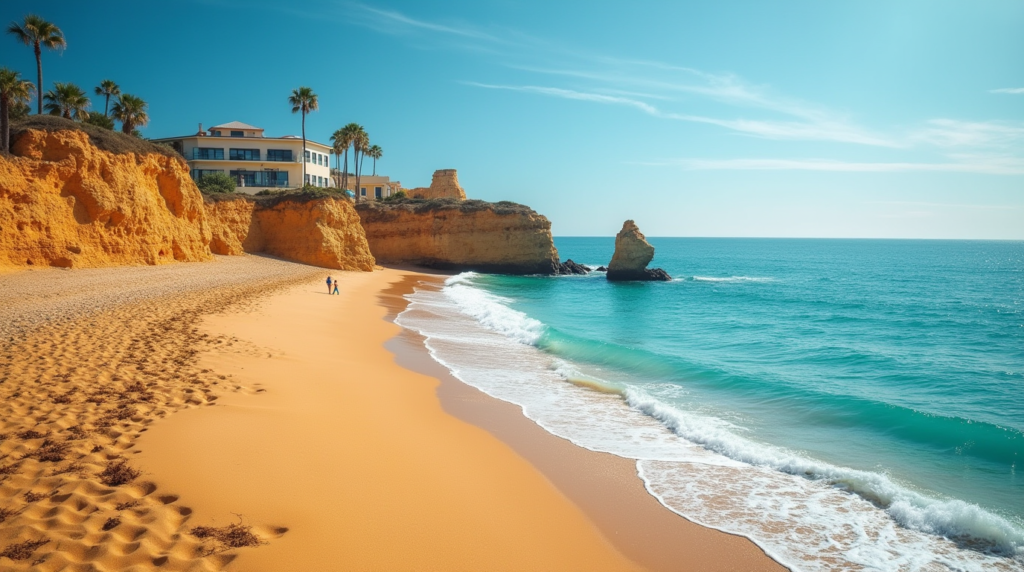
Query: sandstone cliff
75	195
444	185
462	235
632	255
322	232
65	202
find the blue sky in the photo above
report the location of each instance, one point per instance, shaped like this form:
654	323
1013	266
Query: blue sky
728	118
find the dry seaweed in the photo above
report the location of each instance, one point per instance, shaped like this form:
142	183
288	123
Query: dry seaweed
235	535
119	472
22	550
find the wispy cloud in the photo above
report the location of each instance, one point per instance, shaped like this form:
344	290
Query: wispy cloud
953	133
792	130
390	20
666	91
1005	166
1010	90
945	205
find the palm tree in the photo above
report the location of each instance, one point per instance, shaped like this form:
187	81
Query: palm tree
13	91
303	100
339	146
359	144
349	133
67	100
38	33
375	152
107	88
131	112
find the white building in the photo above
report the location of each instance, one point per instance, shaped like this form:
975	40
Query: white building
374	186
254	161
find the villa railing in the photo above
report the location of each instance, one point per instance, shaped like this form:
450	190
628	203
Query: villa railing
221	157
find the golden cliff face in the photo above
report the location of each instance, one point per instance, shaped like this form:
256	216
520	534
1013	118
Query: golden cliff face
63	202
322	232
463	235
66	202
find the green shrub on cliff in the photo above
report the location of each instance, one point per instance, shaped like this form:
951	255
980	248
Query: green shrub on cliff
216	183
401	194
99	120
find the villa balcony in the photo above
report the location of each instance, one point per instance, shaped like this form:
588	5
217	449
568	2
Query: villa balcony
206	156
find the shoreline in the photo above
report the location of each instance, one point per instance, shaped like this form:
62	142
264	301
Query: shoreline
606	487
326	427
352	455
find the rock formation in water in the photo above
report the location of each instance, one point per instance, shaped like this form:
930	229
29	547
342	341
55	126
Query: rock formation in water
570	267
66	202
503	237
444	185
75	195
323	231
632	255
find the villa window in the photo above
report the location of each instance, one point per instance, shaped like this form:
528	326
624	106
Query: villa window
238	133
208	153
362	191
260	178
216	133
378	192
198	174
279	155
245	155
307	180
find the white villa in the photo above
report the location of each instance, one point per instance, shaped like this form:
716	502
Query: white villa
374	186
254	161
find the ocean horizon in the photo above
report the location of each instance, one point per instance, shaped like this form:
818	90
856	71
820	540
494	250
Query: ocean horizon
844	403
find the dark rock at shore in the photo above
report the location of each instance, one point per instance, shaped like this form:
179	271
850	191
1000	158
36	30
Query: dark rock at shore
647	274
570	267
601	269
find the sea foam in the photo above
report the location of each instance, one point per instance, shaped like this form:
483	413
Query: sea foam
808	514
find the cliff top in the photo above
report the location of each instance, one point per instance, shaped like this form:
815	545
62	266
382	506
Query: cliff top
426	205
104	139
269	200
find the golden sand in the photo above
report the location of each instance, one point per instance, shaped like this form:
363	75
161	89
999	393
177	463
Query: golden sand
291	419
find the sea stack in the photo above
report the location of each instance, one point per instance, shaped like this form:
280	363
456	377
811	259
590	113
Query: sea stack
632	254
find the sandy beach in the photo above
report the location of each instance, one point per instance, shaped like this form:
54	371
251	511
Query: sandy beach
242	393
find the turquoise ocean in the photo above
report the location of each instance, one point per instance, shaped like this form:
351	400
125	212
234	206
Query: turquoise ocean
845	404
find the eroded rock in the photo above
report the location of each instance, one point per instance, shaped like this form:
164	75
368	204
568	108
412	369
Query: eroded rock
503	238
444	185
632	255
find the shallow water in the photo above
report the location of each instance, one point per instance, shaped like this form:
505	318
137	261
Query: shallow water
844	403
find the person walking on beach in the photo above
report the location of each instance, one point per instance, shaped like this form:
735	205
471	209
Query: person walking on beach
328	285
336	288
